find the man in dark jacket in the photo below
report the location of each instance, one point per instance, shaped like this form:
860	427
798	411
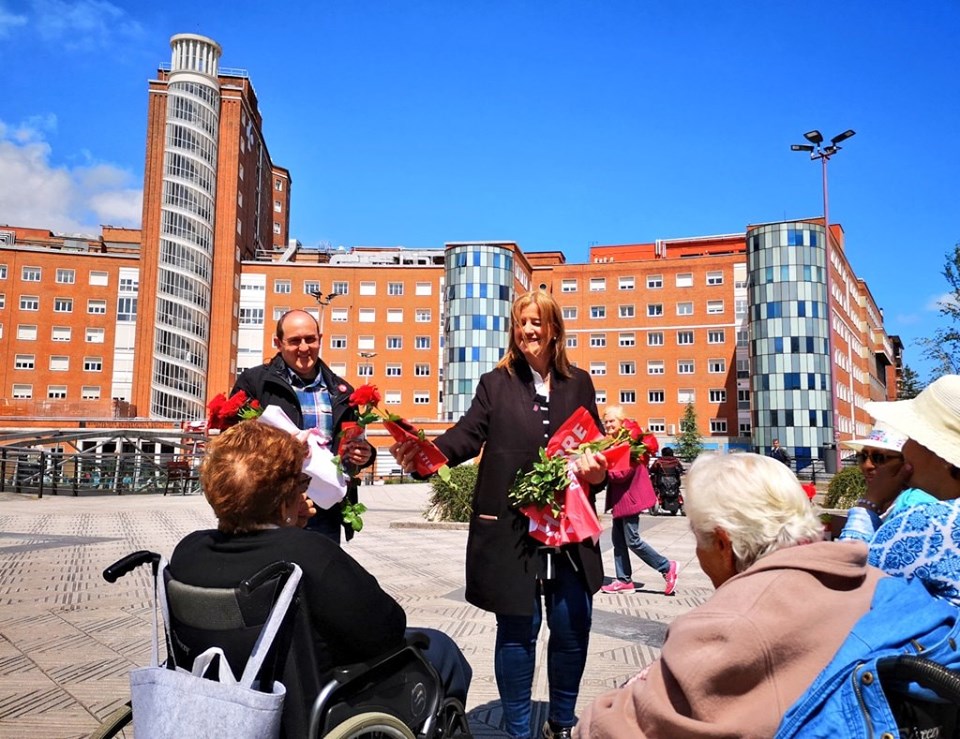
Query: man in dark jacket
779	453
300	383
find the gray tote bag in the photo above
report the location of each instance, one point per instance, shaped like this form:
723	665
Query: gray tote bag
175	703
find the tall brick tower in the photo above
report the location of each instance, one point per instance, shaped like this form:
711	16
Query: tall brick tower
211	199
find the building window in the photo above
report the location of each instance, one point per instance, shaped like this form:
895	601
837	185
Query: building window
364	370
743	400
392	397
625	283
368	288
598	368
685	366
63	305
60	333
423	315
572	342
251	316
29	302
598	340
601	397
367	315
627	311
656	425
568	286
598	312
684	338
718	396
59	363
569	312
394	370
66	276
627	339
655	367
654	310
93	364
684	309
718	425
276	228
628	368
100	279
716	336
129	284
424	288
30	274
421	398
742	338
745	428
366	342
282	287
685	279
654	282
338	342
126	309
628	397
394	288
24	361
88	392
3	300
656	396
740	308
310	287
715	278
743	369
686	395
655	338
394	342
716	366
421	342
338	315
714	307
3	271
97	307
395	315
278	185
598	284
340	288
421	370
277	206
22	392
26	332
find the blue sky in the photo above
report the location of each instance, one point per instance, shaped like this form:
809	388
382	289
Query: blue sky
556	124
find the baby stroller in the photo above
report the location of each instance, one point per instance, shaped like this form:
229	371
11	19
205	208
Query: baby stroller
665	475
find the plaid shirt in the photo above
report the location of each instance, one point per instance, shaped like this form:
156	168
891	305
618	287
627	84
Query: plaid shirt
314	403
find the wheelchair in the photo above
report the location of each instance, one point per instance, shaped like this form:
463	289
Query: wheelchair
398	695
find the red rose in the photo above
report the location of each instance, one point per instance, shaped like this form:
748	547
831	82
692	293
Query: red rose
255	404
634	429
365	395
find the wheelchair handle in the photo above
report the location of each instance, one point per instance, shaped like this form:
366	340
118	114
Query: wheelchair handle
131	562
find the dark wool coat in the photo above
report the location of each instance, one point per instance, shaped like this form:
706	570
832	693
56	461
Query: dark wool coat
503	562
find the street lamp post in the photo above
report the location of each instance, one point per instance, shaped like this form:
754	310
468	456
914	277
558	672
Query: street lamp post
323	300
817	150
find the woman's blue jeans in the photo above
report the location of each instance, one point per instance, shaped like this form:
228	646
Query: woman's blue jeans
569	616
625	534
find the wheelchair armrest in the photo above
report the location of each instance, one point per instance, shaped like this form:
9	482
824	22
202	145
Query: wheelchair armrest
345	673
417	639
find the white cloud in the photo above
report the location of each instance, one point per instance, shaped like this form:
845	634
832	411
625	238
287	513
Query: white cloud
83	25
939	301
9	21
38	194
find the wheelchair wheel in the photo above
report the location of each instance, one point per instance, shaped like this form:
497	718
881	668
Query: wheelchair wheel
453	720
370	726
117	723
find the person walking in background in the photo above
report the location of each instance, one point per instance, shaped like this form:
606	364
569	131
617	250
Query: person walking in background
516	409
779	453
300	383
628	493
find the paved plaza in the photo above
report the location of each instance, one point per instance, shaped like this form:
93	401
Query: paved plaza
68	639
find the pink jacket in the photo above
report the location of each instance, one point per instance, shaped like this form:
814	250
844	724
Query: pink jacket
630	491
733	666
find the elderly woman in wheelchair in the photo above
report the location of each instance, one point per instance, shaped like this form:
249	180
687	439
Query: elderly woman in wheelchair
779	621
251	476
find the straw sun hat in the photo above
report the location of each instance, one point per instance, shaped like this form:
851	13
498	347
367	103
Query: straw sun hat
882	437
932	419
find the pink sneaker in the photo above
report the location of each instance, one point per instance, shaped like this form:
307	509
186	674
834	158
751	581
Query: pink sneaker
618	586
670	578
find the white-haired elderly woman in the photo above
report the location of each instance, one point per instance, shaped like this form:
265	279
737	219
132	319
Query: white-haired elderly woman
785	601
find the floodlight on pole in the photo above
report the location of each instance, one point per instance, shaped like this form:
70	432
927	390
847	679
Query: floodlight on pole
823	153
323	300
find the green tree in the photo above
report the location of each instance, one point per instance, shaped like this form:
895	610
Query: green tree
689	445
909	385
943	348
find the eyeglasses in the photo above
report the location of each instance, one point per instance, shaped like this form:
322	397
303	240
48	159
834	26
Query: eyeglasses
878	458
308	340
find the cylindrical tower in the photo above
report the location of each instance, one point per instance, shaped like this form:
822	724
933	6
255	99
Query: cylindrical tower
479	293
789	348
178	388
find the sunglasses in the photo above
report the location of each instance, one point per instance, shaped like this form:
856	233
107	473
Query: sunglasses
878	458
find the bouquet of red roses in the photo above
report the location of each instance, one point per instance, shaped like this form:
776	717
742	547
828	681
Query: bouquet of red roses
224	412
